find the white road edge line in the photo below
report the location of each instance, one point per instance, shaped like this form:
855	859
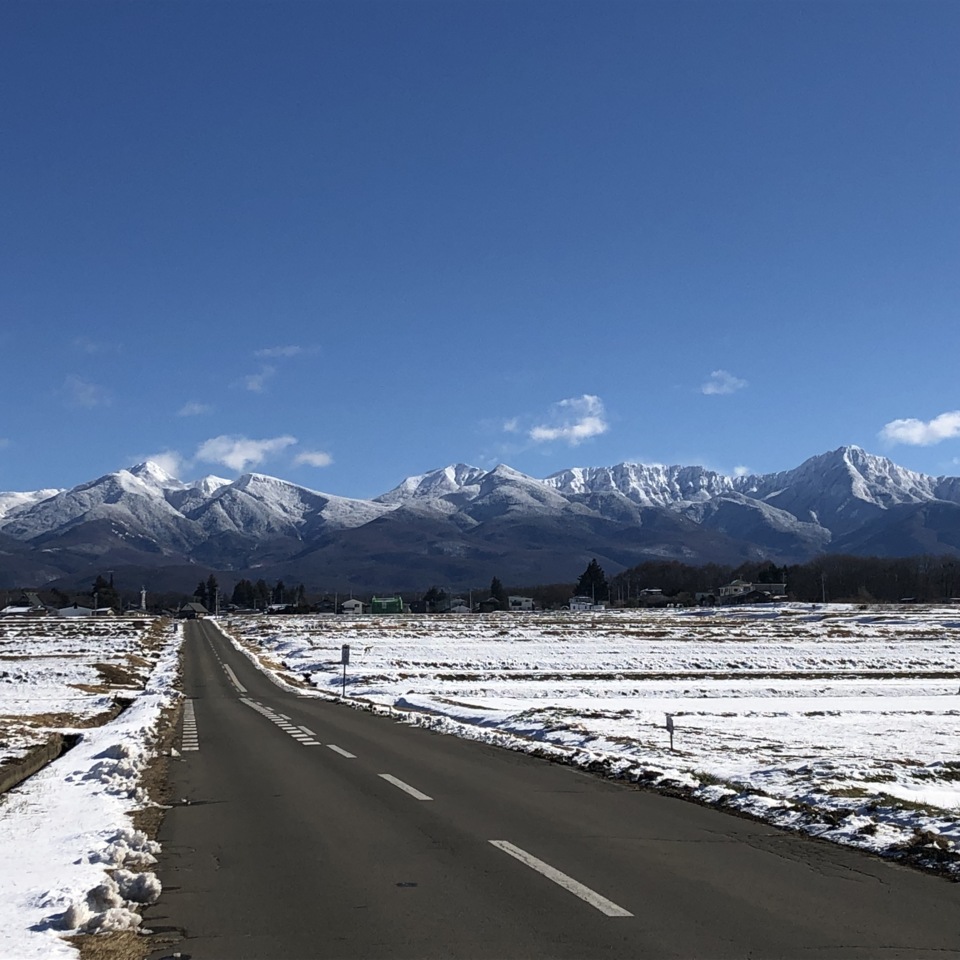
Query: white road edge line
342	752
568	883
233	678
413	791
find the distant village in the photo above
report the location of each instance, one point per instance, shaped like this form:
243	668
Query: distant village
31	603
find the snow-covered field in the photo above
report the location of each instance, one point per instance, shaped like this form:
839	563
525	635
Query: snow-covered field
841	721
72	860
57	674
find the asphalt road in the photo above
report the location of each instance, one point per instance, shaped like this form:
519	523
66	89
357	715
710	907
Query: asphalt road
304	828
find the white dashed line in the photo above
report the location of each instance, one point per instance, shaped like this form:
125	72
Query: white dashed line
342	752
568	883
190	739
233	679
300	734
413	791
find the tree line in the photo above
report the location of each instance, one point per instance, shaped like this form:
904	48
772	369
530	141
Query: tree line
831	577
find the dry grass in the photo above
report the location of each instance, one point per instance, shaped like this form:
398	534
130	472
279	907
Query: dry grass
112	946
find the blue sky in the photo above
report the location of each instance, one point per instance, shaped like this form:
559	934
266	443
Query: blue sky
344	243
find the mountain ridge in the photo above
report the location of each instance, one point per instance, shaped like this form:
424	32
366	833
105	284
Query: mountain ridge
462	521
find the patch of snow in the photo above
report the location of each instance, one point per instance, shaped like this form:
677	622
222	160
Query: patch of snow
72	861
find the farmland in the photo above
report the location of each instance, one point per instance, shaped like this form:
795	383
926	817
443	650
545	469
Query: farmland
838	720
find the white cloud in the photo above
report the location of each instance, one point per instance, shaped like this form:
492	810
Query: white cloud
741	471
722	381
169	461
923	433
83	393
194	409
512	425
255	382
573	421
278	352
313	458
238	453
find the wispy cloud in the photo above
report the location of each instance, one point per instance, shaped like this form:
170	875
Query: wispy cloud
91	347
721	382
313	458
169	461
82	393
194	409
923	433
238	453
256	382
278	352
572	421
512	425
742	471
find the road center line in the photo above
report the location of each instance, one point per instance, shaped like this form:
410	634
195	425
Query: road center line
413	791
568	883
233	679
342	752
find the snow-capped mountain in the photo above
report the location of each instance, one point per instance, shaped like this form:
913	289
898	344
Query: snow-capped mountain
647	485
461	524
10	503
450	486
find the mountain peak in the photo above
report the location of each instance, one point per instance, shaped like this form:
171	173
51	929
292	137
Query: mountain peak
152	473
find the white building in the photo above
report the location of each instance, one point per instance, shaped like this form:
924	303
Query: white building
585	605
75	610
520	603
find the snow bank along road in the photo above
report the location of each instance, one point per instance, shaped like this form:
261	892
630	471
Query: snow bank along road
303	828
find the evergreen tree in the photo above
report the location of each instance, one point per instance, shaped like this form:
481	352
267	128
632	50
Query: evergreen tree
212	590
104	594
593	583
243	594
497	591
261	594
279	593
200	593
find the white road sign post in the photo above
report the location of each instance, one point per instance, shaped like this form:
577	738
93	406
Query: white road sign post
344	659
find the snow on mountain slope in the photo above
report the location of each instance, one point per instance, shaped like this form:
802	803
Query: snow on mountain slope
11	502
840	489
743	517
133	498
152	474
649	485
445	488
504	490
258	505
192	495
